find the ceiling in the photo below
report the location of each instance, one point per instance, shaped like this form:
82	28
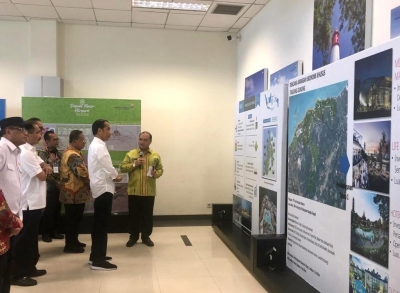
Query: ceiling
121	13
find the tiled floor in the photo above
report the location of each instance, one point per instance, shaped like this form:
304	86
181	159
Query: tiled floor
169	267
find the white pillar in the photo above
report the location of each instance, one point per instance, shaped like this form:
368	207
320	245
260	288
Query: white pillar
43	48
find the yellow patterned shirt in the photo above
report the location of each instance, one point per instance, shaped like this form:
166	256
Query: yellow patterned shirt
139	183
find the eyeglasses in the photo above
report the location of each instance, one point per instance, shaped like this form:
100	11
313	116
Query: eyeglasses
21	129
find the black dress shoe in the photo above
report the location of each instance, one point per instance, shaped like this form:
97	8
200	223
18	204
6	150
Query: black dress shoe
38	273
106	258
46	238
131	242
75	249
57	236
80	244
24	282
148	242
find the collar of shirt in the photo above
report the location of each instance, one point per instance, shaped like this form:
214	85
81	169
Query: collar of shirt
10	145
29	147
98	140
51	151
150	151
70	147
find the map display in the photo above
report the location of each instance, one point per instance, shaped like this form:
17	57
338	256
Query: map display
317	141
343	213
260	161
270	150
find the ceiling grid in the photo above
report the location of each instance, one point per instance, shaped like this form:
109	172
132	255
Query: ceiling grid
115	13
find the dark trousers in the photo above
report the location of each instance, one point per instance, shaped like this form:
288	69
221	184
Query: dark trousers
26	247
102	215
73	218
51	214
5	273
140	216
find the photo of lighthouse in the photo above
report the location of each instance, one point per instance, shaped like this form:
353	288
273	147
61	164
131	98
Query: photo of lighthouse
339	30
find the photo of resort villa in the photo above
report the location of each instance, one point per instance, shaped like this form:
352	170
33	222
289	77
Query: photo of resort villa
242	210
373	86
370	226
366	277
371	156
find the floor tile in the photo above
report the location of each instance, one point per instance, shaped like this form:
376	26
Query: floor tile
192	285
181	269
238	284
207	266
225	267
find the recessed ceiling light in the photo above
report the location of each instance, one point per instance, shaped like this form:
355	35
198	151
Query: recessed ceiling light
169	5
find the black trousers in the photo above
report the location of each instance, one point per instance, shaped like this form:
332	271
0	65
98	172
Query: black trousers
140	216
5	273
73	218
26	247
51	214
101	221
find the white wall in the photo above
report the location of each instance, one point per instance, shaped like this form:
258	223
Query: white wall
381	25
280	34
14	63
187	84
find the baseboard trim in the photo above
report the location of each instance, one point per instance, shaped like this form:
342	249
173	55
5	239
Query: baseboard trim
119	223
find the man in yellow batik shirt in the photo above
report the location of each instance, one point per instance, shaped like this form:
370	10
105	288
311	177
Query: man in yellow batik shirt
143	166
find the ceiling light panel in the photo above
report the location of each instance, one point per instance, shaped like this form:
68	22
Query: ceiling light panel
170	5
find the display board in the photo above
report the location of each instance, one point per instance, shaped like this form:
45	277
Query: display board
343	232
283	75
339	29
260	164
395	22
2	109
255	83
66	114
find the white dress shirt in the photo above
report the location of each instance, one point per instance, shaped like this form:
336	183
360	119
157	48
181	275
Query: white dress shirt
101	169
10	175
33	189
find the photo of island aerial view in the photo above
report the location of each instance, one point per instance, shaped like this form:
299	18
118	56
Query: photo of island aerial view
270	152
371	156
268	211
317	143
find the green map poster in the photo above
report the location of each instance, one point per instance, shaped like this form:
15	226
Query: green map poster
66	114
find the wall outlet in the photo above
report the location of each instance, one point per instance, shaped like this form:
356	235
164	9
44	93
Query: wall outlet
209	205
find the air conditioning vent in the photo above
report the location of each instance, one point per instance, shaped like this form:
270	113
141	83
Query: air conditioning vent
227	9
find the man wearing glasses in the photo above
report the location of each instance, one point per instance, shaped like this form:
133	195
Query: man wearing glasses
13	135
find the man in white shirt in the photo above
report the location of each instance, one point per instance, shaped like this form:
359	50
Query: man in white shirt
102	176
13	134
33	184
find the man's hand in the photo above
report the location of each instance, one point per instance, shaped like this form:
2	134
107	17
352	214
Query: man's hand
153	173
118	179
47	169
139	162
17	230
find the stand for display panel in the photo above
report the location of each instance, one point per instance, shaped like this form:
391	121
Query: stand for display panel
264	256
